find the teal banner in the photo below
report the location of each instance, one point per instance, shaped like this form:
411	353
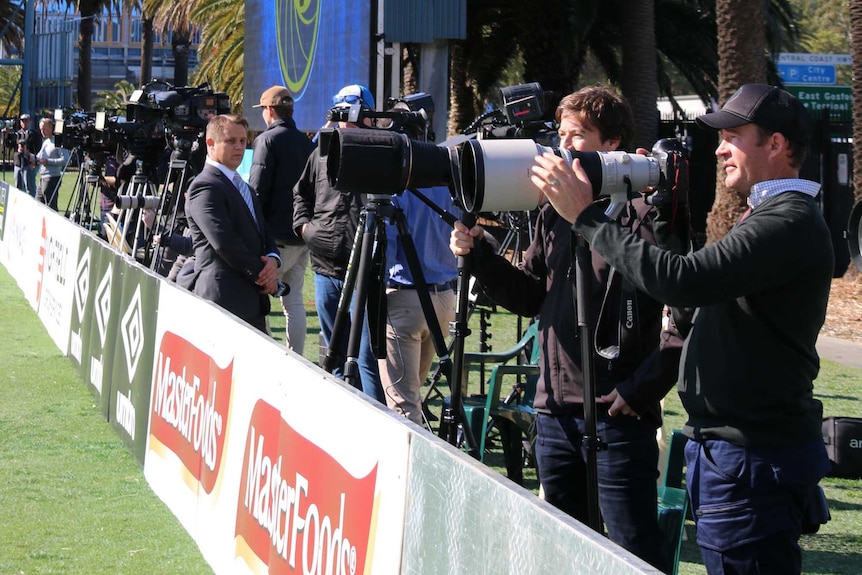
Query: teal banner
132	364
94	327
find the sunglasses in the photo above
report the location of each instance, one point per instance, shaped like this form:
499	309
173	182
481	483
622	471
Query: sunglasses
351	99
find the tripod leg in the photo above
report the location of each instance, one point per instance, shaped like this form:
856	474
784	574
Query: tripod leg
363	282
334	352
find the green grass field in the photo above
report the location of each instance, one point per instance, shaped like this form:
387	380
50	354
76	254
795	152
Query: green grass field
74	500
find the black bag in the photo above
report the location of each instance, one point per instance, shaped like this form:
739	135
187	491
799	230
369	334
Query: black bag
843	438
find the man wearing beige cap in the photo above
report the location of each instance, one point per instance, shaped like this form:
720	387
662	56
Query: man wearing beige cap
280	153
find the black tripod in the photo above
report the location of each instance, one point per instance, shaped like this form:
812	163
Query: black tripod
131	222
171	209
83	205
367	256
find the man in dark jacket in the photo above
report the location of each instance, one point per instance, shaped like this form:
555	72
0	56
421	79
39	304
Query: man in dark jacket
755	451
236	262
28	143
327	220
592	119
280	153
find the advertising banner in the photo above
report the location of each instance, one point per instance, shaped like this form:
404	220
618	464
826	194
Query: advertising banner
99	329
23	238
313	48
257	453
58	252
4	197
131	369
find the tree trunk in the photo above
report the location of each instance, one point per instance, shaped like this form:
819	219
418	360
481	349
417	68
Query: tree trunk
639	69
147	39
88	12
410	69
181	46
742	58
461	98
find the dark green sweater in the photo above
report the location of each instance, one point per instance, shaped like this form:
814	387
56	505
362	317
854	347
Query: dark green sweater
749	361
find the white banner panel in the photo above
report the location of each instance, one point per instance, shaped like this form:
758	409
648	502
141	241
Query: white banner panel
39	249
22	239
56	261
261	455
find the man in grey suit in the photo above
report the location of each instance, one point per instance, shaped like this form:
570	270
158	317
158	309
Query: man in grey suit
236	262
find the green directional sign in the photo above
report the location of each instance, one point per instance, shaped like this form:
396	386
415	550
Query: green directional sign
839	99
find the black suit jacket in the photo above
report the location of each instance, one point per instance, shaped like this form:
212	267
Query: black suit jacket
228	245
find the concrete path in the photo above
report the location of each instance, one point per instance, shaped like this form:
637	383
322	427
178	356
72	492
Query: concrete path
840	351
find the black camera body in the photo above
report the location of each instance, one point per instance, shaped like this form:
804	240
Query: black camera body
160	115
182	109
522	116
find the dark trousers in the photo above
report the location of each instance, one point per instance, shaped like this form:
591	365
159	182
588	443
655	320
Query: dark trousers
747	504
327	293
48	190
627	474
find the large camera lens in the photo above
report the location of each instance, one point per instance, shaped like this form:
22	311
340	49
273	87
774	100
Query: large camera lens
380	162
495	174
137	202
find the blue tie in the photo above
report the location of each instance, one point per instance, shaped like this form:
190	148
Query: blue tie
246	195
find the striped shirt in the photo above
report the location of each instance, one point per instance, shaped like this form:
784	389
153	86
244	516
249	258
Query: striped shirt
770	188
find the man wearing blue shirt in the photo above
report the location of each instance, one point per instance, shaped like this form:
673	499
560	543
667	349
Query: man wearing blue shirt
409	343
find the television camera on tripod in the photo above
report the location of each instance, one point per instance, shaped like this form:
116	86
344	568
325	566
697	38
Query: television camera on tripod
161	135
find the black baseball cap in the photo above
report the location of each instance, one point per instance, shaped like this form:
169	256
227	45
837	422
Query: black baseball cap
764	105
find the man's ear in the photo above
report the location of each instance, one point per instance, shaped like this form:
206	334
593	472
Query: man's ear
209	142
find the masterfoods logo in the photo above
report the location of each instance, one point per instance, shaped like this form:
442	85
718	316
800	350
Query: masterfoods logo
298	510
190	402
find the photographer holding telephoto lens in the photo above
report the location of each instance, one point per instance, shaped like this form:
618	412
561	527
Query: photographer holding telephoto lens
640	364
755	451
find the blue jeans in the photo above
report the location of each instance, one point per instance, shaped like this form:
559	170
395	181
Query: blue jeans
747	504
25	180
327	292
627	474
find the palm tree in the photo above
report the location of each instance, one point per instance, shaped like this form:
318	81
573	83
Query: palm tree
115	99
88	11
148	34
639	69
171	17
554	39
742	59
12	25
221	49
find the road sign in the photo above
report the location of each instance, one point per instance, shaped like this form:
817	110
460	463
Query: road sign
807	73
801	58
815	98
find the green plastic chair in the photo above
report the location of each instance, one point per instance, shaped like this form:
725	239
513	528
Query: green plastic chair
673	499
513	416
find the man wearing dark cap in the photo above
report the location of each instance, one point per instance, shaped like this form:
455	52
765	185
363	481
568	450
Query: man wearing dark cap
28	143
755	452
327	219
280	153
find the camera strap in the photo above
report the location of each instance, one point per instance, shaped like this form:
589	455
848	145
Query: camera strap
617	322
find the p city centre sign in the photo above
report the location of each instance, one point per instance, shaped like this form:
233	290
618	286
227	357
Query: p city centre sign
812	79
